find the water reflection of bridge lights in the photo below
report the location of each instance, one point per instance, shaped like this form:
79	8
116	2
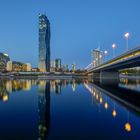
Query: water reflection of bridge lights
98	97
114	112
106	105
128	127
101	100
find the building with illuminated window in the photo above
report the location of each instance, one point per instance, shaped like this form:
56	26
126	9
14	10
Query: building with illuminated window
44	43
4	58
97	57
73	67
18	66
58	64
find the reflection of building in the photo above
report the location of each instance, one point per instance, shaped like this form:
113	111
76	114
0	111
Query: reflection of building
43	109
96	57
4	58
56	86
44	43
4	94
18	66
73	85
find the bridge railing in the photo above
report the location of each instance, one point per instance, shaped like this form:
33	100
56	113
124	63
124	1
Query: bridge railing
129	54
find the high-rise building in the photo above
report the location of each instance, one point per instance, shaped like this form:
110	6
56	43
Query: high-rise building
97	57
58	64
52	67
44	43
73	67
4	58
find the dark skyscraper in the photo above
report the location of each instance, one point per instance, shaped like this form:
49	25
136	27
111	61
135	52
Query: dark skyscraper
44	43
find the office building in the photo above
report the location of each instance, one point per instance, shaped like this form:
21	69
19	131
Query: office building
44	43
18	66
4	58
73	67
52	68
58	64
97	57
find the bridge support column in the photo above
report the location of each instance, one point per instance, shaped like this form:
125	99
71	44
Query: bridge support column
109	78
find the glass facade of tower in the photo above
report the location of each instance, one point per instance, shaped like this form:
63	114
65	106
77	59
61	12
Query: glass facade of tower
44	43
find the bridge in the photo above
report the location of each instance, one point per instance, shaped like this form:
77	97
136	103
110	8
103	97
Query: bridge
110	69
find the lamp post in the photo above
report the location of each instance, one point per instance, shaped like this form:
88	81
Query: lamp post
113	46
126	35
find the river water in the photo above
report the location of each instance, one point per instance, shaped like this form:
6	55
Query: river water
72	109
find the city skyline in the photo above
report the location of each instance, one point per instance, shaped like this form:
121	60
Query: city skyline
77	27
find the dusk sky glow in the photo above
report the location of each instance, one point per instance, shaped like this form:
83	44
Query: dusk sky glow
77	27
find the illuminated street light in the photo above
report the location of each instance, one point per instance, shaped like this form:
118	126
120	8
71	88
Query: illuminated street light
126	35
100	56
113	46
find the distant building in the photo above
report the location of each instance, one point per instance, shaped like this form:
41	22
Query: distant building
9	66
52	69
73	67
28	66
65	68
18	66
57	64
35	70
44	43
4	58
97	57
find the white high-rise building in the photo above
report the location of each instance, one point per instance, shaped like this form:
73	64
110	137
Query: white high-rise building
97	57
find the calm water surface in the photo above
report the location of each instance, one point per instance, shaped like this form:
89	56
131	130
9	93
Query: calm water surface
69	110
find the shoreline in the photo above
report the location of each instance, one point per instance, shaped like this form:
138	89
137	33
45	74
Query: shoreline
47	77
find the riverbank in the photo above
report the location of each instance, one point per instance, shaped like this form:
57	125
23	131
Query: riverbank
42	76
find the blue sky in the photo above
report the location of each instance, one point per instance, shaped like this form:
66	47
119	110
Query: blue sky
77	27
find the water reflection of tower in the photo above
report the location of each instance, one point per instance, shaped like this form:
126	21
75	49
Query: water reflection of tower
43	109
58	85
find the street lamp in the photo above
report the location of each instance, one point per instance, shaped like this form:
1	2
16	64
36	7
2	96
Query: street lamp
126	35
113	46
105	52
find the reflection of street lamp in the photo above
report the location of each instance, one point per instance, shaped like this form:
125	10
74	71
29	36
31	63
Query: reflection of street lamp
105	52
114	112
106	105
128	126
113	46
101	100
126	35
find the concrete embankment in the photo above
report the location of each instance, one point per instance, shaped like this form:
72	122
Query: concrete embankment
43	76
